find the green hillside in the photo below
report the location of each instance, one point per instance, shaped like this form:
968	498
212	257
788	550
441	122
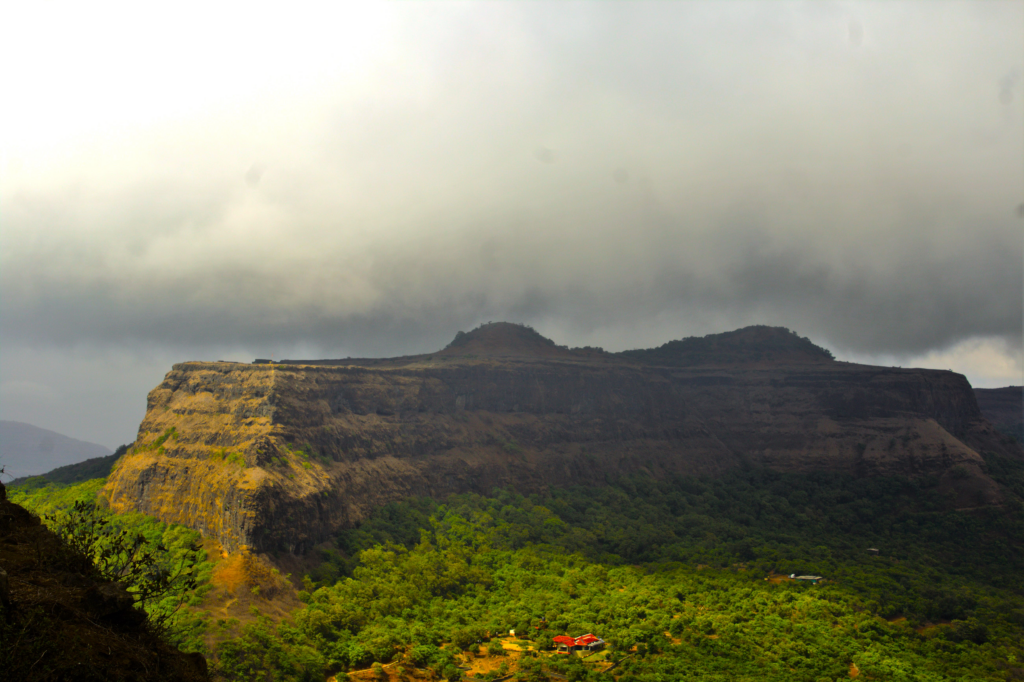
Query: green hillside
684	579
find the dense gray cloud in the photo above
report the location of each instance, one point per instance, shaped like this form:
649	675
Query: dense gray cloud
615	174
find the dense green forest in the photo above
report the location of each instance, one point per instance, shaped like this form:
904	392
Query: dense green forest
672	574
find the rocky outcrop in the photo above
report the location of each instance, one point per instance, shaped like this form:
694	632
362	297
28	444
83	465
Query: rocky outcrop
279	456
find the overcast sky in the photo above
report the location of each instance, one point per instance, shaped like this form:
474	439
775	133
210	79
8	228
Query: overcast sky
234	181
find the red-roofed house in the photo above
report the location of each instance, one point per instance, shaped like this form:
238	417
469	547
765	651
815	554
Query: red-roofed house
563	640
566	645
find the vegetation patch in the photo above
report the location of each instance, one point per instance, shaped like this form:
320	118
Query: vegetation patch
307	452
157	444
681	579
223	455
684	579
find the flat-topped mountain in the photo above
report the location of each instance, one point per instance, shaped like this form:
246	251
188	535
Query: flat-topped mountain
504	339
278	456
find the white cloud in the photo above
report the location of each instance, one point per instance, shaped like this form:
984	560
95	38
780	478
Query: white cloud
987	362
711	165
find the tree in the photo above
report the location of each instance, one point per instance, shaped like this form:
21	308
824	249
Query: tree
530	670
122	557
462	638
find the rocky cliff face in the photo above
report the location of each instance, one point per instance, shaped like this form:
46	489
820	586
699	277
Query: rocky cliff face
1004	408
279	456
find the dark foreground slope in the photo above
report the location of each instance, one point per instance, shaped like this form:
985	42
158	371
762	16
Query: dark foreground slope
59	621
280	456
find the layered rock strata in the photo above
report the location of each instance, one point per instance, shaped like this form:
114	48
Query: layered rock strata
276	457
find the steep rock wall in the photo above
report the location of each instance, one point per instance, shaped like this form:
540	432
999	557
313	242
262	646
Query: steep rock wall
1004	408
278	457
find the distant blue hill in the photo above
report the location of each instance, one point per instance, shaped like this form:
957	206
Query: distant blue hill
27	450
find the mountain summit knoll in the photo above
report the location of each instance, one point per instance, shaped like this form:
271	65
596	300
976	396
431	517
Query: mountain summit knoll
279	456
751	345
503	339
